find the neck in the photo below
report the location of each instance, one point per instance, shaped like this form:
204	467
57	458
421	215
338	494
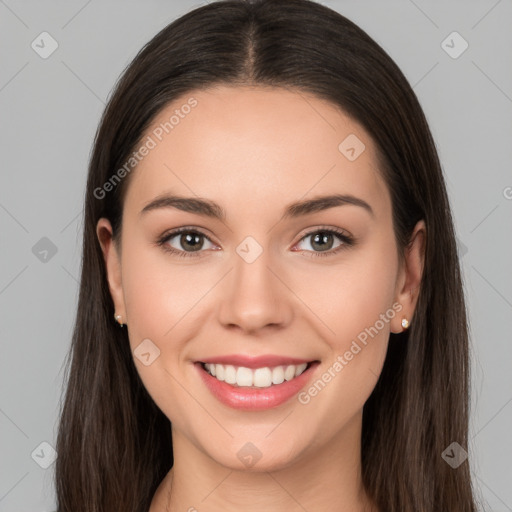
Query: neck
327	478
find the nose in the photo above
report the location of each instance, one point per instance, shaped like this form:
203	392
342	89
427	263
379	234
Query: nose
255	296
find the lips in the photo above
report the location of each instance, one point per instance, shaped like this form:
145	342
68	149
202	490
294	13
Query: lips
260	393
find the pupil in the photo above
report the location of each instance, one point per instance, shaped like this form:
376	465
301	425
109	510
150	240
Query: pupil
190	239
322	238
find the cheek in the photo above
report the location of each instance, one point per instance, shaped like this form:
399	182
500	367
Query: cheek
165	302
159	290
368	299
351	296
355	304
159	299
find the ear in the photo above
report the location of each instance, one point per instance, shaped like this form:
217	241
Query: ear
409	277
112	266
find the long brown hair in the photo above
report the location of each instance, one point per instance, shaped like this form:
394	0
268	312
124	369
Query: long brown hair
114	445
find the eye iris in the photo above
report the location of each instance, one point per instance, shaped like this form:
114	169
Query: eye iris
321	238
187	240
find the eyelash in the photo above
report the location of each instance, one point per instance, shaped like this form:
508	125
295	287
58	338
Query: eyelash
348	241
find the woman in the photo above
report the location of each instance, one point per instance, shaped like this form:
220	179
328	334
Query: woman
271	314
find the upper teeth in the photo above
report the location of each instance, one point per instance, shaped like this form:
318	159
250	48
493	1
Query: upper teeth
260	377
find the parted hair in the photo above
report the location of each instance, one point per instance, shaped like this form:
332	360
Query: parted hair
114	444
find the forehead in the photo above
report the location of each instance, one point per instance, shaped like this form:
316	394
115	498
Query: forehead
250	148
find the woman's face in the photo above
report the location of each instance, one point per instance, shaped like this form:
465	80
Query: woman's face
253	282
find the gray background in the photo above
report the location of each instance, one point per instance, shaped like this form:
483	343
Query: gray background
50	108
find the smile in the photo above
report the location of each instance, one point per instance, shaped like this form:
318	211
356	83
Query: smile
265	377
261	384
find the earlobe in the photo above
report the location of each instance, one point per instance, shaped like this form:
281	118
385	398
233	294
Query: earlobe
112	266
409	281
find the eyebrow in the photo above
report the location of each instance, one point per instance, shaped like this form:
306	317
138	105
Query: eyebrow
211	209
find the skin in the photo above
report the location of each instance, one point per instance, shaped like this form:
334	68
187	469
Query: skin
254	150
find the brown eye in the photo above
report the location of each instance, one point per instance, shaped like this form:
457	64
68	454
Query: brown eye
323	240
184	242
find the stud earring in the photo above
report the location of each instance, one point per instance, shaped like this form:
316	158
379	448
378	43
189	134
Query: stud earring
118	318
405	323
